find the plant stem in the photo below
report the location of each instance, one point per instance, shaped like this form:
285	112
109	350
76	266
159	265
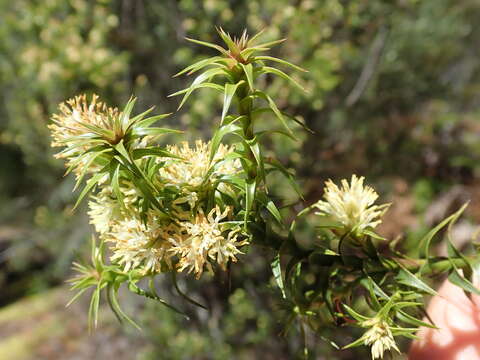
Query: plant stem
245	108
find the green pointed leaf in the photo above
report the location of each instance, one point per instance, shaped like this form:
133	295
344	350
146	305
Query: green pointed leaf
227	39
152	295
199	65
154	131
121	150
139	122
207	44
255	37
250	188
137	118
229	93
280	73
248	70
426	240
201	86
182	294
256	151
358	342
274	211
207	75
290	177
89	186
104	133
280	61
153	151
115	307
457	279
76	296
407	278
357	316
115	181
276	111
219	134
270	44
268	110
277	274
86	167
403	316
125	115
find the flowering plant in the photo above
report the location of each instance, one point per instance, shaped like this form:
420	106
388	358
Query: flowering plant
198	207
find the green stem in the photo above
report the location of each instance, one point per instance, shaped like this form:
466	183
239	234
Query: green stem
245	108
436	266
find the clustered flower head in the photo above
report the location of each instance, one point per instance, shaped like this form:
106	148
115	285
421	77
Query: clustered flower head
151	246
75	117
74	129
190	236
203	239
150	240
193	171
142	245
352	205
379	337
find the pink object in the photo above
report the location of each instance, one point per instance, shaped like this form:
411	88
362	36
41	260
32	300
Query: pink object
458	318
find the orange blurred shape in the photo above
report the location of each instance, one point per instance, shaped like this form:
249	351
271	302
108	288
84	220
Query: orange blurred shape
458	320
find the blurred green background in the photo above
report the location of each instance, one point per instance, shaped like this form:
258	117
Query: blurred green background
393	95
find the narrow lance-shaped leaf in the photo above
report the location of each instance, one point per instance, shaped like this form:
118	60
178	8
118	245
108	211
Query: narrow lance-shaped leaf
255	149
201	86
457	279
125	116
229	93
280	73
426	240
250	188
207	44
276	111
152	295
248	70
219	134
291	179
115	306
86	167
199	65
277	273
208	74
455	276
89	186
268	110
182	294
280	61
227	39
407	278
255	37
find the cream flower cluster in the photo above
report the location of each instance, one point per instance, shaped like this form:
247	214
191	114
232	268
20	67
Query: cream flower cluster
379	337
191	237
186	238
352	205
194	169
70	128
204	239
76	115
147	245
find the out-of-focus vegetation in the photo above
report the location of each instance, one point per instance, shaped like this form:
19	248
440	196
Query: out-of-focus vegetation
393	95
